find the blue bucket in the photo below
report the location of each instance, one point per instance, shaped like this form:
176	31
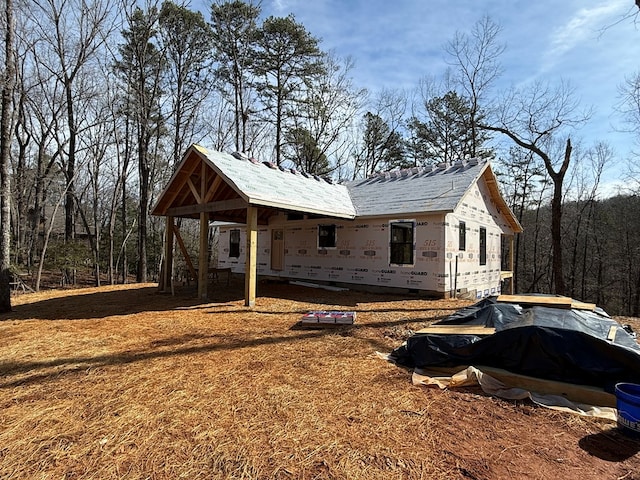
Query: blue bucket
628	405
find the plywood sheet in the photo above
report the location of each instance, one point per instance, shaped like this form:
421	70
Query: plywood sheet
548	301
458	330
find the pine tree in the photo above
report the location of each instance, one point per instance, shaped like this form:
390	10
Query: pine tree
141	68
287	56
234	35
187	42
445	134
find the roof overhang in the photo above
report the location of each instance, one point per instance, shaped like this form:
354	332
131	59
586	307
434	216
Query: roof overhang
224	186
497	198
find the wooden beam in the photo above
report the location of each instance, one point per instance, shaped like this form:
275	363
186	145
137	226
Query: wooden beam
548	301
512	247
250	275
168	257
180	180
182	198
220	206
508	274
214	185
203	182
193	189
458	330
185	254
203	257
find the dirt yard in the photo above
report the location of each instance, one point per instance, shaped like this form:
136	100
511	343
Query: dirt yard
126	383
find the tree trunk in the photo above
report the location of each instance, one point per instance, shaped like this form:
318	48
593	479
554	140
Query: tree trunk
125	167
556	238
5	146
144	173
556	218
69	233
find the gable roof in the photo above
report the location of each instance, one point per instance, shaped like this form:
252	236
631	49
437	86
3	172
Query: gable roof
425	189
224	185
415	190
208	178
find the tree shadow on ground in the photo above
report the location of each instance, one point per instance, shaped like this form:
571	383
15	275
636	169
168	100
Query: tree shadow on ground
28	372
98	304
106	303
17	373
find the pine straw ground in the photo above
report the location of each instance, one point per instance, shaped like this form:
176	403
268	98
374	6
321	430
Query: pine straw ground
122	382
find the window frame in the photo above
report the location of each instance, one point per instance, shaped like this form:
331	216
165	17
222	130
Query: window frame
482	244
462	236
398	250
332	235
234	246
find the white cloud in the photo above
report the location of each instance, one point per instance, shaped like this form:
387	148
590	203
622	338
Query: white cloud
584	25
280	6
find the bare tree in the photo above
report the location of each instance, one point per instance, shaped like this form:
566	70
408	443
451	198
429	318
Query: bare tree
629	107
141	69
72	31
582	193
326	113
8	85
475	58
533	118
523	178
43	108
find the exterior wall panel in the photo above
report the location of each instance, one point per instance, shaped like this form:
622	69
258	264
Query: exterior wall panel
361	253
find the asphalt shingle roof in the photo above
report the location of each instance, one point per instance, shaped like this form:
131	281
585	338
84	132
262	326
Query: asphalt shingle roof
267	185
401	192
416	190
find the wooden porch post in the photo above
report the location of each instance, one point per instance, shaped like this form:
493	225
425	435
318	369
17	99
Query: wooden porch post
511	263
168	257
203	263
251	254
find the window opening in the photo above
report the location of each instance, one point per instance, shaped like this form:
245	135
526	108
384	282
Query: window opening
401	243
234	243
483	246
326	236
462	236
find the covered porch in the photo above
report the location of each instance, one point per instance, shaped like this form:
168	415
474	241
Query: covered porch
215	186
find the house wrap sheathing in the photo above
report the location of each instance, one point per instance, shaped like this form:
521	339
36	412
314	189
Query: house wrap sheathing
436	230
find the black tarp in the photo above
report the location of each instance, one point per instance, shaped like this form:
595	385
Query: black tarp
565	345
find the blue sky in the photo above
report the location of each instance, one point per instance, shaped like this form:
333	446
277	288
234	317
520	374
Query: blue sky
396	43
